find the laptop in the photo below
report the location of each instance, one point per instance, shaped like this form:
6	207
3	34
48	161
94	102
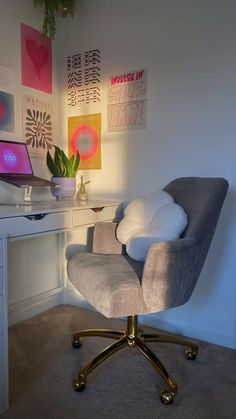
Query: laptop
15	166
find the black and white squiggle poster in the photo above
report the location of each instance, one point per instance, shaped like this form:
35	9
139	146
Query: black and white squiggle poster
84	78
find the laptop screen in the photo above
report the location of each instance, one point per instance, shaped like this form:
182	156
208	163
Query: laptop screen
14	158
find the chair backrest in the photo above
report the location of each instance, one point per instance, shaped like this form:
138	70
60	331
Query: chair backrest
171	281
202	199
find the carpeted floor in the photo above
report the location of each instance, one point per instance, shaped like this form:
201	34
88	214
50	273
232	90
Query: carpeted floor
43	365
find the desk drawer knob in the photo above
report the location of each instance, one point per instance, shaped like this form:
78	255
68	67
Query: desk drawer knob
35	217
97	209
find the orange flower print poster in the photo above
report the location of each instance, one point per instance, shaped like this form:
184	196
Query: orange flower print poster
84	135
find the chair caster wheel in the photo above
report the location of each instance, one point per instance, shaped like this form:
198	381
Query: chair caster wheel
79	386
76	344
166	397
190	354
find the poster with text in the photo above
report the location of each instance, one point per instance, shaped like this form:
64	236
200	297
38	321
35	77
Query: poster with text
127	101
84	135
37	125
36	59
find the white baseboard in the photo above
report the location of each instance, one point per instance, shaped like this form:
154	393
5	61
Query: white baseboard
189	331
72	297
32	306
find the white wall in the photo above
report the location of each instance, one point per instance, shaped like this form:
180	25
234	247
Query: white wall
188	48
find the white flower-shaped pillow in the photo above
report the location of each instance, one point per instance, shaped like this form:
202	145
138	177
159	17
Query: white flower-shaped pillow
148	220
139	214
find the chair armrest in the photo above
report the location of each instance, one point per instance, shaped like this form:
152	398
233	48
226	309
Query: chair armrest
171	271
104	239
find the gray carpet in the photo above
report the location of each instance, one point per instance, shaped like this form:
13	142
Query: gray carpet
43	365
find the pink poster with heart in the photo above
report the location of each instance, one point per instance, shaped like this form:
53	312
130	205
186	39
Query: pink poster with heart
36	59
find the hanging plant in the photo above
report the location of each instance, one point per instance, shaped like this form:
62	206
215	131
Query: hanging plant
63	7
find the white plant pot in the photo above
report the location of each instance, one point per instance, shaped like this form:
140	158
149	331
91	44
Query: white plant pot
65	188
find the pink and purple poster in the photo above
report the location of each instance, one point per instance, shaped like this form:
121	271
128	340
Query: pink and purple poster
36	59
7	100
7	119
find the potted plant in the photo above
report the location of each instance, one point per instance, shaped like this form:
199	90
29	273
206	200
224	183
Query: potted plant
63	170
51	8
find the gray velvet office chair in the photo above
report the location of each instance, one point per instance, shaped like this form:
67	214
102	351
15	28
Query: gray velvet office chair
117	286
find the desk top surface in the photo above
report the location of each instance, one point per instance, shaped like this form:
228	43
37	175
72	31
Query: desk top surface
23	209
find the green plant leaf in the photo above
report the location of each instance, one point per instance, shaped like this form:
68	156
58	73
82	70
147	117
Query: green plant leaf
68	166
52	166
58	161
72	159
77	162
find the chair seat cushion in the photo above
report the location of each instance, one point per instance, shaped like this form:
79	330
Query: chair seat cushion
110	283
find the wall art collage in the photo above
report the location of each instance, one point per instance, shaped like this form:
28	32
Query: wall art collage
126	99
126	104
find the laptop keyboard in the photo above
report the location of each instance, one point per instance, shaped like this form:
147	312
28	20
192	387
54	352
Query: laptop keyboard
21	180
20	177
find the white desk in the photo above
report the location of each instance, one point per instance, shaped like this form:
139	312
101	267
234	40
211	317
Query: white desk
22	222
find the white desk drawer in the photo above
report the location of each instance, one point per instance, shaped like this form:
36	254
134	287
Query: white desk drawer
1	315
38	223
3	375
1	252
93	215
1	281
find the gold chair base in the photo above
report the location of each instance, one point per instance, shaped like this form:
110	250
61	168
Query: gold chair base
132	337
